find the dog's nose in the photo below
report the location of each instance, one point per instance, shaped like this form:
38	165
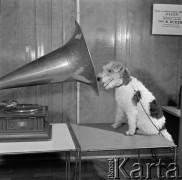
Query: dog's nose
98	78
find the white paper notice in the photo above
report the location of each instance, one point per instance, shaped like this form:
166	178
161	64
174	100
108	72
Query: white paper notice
167	19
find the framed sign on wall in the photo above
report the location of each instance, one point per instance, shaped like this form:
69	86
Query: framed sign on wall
167	19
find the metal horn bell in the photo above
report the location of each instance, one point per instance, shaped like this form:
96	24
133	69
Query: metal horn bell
71	62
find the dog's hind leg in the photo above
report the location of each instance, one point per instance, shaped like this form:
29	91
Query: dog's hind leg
119	117
132	118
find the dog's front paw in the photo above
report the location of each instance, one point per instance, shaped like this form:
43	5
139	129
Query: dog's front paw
128	133
115	125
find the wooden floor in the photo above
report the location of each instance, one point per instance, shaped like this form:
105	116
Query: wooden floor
51	167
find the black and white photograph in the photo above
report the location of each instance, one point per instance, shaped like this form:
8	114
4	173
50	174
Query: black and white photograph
90	89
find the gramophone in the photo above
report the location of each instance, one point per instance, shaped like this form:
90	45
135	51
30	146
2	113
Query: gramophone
69	63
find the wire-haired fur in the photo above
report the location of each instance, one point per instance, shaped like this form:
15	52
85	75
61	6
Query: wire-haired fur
134	101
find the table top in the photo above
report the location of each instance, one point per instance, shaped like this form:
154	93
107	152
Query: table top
172	110
100	137
61	141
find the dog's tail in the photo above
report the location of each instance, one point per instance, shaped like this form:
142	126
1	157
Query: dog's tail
166	135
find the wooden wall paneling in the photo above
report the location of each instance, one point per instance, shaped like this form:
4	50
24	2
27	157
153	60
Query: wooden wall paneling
10	42
169	71
69	88
121	28
171	60
179	158
165	70
151	52
147	51
56	108
167	52
43	43
133	36
155	64
98	24
27	95
180	64
180	70
172	67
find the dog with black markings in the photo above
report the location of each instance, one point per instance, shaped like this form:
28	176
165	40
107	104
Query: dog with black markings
136	105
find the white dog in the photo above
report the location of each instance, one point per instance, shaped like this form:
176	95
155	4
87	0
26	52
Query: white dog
134	101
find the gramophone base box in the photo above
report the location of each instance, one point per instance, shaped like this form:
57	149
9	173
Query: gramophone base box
26	122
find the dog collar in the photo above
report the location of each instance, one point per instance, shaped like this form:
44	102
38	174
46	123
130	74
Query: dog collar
119	85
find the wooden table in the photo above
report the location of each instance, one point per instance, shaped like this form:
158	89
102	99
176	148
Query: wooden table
172	110
61	141
102	137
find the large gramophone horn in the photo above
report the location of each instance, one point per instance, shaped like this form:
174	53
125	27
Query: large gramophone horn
71	62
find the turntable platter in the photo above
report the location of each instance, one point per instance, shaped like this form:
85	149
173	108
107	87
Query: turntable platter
24	108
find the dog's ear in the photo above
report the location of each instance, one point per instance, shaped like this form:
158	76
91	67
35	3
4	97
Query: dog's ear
126	76
118	67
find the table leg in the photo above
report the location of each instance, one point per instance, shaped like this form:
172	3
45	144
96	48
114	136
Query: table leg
76	170
79	168
139	156
66	166
76	166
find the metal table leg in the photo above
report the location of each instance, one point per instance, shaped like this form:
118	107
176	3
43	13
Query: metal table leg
139	156
69	166
79	164
76	166
66	165
76	170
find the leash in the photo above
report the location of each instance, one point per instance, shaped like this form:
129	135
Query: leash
159	130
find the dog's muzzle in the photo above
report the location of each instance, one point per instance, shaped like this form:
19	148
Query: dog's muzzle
104	84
